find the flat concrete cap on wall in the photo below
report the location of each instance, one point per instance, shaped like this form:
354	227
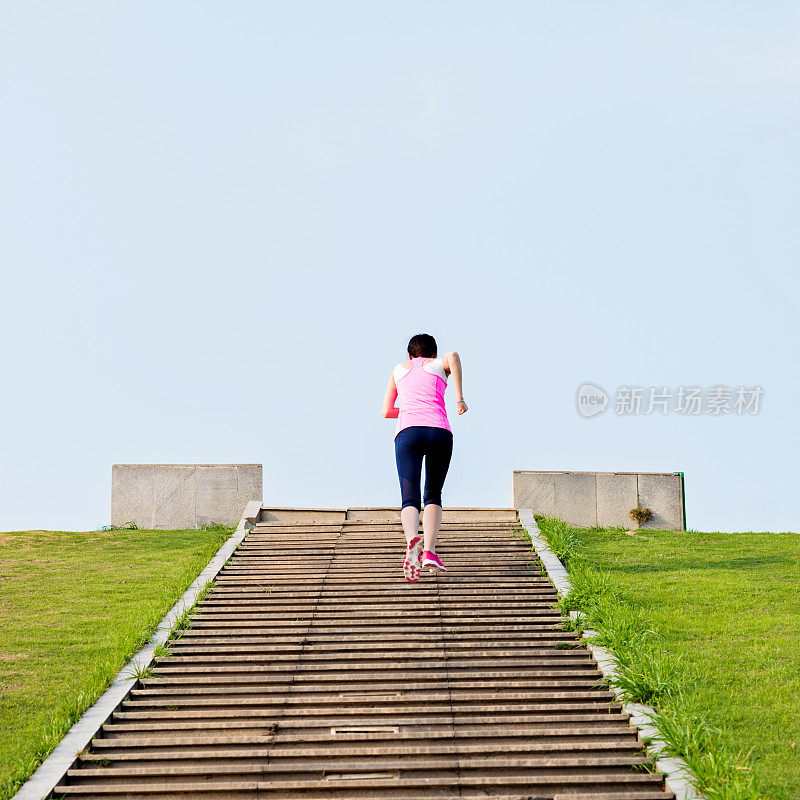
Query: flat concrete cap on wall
583	472
586	499
177	496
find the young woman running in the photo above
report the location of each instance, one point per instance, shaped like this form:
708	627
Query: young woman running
422	430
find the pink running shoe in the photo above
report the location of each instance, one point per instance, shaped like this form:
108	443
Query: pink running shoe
433	562
411	567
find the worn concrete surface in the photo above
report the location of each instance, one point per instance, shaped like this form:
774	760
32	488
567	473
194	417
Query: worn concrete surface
600	498
616	496
175	496
662	495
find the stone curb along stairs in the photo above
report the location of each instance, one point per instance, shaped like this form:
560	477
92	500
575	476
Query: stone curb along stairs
677	773
53	769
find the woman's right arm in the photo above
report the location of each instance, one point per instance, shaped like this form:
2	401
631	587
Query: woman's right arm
389	410
452	363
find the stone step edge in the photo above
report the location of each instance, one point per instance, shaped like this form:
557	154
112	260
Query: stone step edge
275	514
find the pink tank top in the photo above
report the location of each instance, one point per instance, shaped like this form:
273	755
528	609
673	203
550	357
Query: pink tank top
420	398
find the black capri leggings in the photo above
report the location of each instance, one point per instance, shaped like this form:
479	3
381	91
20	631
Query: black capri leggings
410	445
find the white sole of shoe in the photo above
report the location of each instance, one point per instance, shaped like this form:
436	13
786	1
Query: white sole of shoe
411	565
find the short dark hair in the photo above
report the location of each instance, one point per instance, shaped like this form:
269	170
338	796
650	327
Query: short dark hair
422	344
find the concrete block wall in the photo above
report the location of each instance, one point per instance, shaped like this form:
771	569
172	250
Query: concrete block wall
585	499
176	496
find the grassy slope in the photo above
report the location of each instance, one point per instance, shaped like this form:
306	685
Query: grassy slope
73	608
729	604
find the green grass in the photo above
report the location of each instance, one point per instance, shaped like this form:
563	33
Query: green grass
706	628
74	607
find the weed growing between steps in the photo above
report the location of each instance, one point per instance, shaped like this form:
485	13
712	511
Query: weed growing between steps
179	626
74	607
184	619
704	628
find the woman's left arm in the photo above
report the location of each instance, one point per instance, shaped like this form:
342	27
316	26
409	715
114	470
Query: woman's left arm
452	365
389	410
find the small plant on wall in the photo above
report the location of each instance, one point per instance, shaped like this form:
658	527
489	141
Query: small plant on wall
640	514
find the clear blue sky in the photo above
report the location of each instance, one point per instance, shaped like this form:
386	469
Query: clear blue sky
221	222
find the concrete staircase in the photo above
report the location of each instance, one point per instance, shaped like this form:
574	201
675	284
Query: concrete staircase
314	670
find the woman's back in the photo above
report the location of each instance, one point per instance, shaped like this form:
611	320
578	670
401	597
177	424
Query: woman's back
420	394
